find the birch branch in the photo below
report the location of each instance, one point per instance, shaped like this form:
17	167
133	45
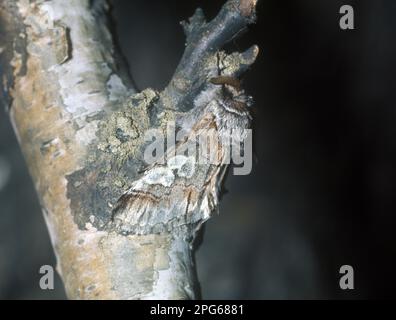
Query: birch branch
120	229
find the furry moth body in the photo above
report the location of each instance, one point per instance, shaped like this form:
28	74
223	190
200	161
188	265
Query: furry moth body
181	192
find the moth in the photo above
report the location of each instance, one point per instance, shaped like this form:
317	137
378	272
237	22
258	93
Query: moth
182	190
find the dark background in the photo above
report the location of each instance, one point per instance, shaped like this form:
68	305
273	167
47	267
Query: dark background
322	190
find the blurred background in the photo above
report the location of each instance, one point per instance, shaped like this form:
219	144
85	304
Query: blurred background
322	190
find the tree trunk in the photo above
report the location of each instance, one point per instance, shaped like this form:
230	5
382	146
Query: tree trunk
120	229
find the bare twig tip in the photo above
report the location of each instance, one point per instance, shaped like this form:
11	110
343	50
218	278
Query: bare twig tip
247	7
256	50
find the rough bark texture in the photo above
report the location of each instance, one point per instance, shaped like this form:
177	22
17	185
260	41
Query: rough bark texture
120	230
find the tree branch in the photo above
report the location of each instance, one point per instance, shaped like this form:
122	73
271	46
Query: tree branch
203	41
120	229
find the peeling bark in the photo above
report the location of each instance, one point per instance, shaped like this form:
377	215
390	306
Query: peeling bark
120	229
